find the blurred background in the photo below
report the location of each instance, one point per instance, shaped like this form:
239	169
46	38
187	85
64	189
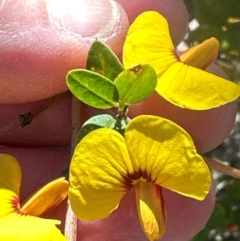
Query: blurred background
221	19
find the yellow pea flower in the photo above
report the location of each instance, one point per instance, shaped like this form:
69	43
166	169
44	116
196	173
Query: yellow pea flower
154	153
181	79
17	223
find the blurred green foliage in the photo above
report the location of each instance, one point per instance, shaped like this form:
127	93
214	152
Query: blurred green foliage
221	19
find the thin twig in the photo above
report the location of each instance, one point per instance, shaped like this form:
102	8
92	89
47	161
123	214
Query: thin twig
11	126
27	118
220	167
45	105
71	220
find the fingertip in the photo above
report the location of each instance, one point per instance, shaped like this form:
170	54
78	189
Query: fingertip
116	40
35	61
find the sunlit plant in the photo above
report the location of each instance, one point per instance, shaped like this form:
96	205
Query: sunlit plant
181	78
153	153
113	153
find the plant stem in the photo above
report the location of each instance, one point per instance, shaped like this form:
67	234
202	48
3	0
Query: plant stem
71	220
220	167
27	118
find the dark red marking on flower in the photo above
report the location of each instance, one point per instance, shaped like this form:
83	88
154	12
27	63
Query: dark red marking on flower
159	194
130	177
127	182
15	205
175	54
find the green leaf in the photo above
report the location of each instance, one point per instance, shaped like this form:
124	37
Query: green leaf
207	12
233	190
101	121
102	60
136	85
234	218
92	88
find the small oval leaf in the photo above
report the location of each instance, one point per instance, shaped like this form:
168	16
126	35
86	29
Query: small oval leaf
92	88
136	85
102	60
101	121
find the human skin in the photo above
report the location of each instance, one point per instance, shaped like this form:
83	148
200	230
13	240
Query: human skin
35	66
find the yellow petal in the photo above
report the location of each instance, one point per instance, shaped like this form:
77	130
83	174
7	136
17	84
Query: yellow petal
148	42
20	227
164	154
13	224
46	198
10	173
151	210
98	167
201	55
193	88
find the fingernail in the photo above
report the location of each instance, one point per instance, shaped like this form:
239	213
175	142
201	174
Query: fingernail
84	18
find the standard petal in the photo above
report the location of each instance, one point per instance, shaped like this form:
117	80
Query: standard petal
11	174
165	153
193	88
97	174
149	42
20	227
201	55
46	198
151	210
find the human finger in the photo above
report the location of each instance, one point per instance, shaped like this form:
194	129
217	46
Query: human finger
42	40
185	218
